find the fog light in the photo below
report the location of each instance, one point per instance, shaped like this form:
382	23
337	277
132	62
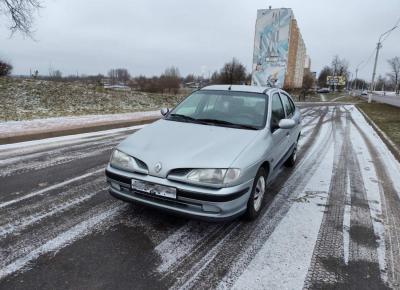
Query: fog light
210	208
115	185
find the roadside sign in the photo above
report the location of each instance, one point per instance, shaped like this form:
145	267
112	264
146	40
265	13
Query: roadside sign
336	80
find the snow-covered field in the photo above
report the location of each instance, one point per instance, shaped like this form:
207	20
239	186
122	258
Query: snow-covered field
26	99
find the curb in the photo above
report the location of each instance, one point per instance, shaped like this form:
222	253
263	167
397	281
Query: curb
76	130
389	143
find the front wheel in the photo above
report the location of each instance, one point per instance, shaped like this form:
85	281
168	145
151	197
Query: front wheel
256	198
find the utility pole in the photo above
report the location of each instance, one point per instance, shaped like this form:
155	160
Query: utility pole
356	79
372	87
378	47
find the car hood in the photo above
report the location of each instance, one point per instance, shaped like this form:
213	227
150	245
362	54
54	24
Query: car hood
186	145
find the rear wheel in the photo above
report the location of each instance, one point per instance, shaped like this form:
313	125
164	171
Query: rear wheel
256	198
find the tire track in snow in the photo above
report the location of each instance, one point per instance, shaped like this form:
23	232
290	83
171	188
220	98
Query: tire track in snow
328	265
23	149
48	153
49	188
286	191
78	231
182	243
185	274
19	222
13	248
52	161
390	208
246	237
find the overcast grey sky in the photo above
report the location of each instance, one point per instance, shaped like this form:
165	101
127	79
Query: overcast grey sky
146	36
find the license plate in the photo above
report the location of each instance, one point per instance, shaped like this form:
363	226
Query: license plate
154	189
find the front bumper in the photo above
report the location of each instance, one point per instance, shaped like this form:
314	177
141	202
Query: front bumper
193	201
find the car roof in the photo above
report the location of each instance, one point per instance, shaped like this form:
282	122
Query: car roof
239	88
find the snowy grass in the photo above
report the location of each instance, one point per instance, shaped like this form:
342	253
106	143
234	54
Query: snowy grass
26	99
386	117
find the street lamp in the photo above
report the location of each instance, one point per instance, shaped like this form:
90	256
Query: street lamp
378	47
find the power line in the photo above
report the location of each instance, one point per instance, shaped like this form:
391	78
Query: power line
394	27
366	62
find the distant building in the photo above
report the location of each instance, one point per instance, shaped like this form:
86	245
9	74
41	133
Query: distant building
279	54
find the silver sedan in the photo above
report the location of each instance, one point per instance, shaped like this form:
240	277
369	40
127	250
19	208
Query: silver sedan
212	156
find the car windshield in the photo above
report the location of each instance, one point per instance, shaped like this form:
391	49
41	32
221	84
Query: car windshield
223	108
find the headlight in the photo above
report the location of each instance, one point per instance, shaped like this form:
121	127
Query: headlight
122	161
213	176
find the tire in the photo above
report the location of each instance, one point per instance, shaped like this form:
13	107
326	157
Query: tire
291	161
255	203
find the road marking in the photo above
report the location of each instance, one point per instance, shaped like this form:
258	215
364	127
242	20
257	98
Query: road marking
55	186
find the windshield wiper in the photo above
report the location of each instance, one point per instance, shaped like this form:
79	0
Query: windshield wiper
226	123
185	118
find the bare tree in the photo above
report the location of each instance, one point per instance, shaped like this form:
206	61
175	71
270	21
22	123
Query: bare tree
189	78
394	75
170	80
381	84
20	14
5	68
233	72
119	75
340	66
360	84
55	75
215	78
325	72
308	84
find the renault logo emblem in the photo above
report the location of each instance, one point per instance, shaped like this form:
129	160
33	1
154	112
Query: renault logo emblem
158	167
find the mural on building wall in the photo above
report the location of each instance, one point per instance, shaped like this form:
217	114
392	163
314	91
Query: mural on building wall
271	46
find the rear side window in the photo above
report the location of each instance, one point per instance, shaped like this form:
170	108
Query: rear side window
277	111
289	106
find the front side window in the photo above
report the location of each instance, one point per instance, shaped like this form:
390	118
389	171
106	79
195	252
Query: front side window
223	108
288	106
277	111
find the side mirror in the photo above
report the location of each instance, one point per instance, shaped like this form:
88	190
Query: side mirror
164	111
287	124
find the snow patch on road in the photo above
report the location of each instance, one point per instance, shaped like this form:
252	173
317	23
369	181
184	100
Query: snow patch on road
67	138
52	187
283	261
346	222
19	225
12	128
181	242
64	239
392	164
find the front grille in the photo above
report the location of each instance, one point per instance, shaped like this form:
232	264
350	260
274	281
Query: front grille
141	164
179	171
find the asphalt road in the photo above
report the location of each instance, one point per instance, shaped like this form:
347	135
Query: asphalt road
333	221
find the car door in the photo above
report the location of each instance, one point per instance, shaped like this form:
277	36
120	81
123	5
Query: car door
290	110
279	138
